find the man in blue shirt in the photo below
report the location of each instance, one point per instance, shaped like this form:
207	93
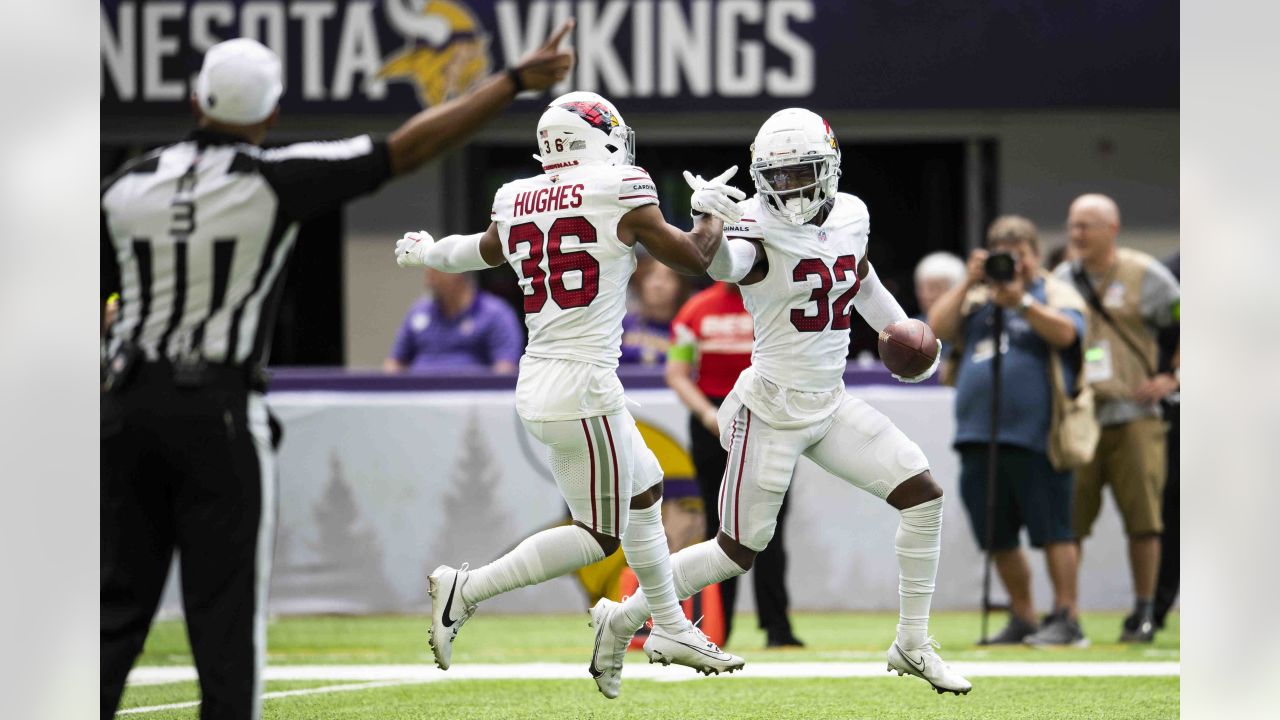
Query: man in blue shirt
1042	315
458	326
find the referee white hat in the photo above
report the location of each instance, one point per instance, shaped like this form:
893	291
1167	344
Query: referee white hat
239	82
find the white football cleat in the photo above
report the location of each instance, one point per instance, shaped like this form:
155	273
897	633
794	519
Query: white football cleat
924	663
691	648
610	650
447	611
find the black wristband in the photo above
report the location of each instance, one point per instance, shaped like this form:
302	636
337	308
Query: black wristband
515	78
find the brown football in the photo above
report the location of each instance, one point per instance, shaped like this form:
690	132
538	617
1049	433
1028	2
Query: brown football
908	347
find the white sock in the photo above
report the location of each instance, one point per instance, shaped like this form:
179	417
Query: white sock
918	543
692	569
542	556
645	544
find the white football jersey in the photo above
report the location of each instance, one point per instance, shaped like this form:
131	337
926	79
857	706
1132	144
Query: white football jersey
803	307
559	232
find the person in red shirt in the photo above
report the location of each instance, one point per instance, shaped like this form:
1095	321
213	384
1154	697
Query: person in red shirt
711	339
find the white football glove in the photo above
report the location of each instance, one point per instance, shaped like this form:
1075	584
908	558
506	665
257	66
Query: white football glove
411	250
937	360
714	196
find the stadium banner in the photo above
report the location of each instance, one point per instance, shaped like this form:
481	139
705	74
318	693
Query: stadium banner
377	488
396	56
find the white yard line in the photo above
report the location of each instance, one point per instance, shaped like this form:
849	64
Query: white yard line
273	695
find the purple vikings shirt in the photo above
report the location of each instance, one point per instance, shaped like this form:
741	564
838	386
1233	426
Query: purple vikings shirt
644	341
481	335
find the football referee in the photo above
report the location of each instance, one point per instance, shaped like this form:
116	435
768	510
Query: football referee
195	237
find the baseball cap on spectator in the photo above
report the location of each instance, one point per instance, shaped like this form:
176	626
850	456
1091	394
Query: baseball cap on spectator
239	82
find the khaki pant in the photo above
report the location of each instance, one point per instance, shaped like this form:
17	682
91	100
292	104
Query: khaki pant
1130	458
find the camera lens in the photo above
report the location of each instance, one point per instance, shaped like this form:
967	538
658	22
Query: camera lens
1000	266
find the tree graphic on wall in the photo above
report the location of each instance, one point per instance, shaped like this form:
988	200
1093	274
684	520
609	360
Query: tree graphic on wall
473	524
350	558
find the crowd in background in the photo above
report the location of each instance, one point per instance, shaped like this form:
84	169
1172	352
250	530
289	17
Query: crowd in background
1094	329
1088	322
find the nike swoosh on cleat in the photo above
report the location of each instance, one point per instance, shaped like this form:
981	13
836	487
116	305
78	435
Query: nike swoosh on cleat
449	603
919	667
592	667
695	647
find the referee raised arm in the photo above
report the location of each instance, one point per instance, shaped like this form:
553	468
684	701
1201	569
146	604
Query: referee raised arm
195	237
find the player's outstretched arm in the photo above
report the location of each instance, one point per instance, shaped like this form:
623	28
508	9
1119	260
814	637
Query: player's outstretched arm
735	259
874	302
453	253
686	252
432	131
880	309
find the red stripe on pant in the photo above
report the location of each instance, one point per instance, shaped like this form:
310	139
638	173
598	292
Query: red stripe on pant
591	453
724	481
737	493
613	455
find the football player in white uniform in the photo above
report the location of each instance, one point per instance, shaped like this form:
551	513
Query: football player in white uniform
570	235
799	254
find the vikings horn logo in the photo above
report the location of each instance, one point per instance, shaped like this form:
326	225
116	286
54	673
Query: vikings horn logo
446	50
596	115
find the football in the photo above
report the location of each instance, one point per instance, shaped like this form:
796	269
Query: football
908	347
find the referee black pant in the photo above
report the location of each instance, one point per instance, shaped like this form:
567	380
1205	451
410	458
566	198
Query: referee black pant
1170	551
770	567
191	470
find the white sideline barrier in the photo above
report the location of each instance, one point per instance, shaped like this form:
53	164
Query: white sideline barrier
377	488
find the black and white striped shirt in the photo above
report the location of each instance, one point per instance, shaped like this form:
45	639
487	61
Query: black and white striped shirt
195	237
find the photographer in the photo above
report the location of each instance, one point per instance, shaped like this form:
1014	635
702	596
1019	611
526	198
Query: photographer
1132	298
1041	315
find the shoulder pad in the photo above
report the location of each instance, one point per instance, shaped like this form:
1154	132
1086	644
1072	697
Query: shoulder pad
504	198
850	211
635	187
749	225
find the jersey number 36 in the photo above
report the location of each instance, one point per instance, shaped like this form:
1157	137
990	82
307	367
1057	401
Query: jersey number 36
559	262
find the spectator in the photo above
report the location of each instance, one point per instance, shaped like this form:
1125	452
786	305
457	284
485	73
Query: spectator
1043	315
646	332
935	274
1170	557
711	338
457	326
1058	255
1132	297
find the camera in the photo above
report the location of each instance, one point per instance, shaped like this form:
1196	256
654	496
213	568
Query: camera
1000	266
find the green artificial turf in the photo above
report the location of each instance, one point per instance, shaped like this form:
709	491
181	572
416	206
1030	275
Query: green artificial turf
737	698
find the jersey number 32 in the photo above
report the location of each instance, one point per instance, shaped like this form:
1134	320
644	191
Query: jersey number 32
559	262
838	316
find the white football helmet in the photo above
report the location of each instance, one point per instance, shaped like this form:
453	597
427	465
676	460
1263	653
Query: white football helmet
795	164
580	128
